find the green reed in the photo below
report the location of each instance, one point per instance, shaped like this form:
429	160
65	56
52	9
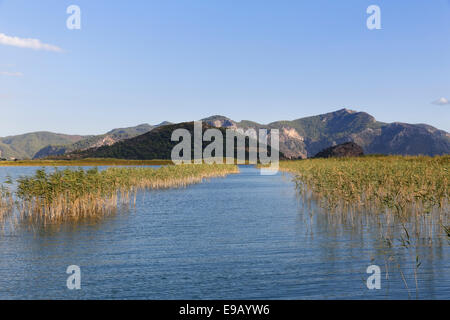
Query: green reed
6	202
394	183
83	163
76	194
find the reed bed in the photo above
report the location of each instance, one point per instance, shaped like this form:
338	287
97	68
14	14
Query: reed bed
77	194
6	203
402	185
84	163
404	201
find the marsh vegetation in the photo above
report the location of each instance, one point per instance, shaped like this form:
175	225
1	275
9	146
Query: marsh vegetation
64	195
403	185
83	162
260	214
405	198
6	202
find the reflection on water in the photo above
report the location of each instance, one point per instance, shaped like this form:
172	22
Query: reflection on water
400	246
243	237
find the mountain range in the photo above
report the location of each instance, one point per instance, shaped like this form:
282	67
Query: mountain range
301	138
157	144
38	145
305	137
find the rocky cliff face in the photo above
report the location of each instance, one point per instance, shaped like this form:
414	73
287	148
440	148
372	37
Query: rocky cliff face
292	144
220	122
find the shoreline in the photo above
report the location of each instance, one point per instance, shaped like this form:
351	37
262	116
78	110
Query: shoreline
84	162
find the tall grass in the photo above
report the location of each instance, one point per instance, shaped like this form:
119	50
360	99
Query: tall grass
403	185
6	202
403	200
77	194
83	163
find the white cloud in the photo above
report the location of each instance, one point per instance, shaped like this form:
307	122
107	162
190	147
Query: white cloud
35	44
11	74
442	101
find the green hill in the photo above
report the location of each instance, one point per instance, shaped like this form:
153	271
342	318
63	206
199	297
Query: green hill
155	144
26	145
106	139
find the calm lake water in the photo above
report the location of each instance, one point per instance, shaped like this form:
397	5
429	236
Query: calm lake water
246	236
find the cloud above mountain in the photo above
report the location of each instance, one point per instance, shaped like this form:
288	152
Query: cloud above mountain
441	101
28	43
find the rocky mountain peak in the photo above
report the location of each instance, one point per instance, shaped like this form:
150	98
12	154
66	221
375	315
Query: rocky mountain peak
220	122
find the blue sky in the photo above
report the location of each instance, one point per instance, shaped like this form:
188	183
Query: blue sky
138	62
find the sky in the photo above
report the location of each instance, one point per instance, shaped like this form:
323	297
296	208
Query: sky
136	62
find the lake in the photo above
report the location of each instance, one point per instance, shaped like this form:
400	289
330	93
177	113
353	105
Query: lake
246	236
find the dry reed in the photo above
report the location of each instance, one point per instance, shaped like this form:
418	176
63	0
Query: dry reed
6	203
83	163
78	194
402	185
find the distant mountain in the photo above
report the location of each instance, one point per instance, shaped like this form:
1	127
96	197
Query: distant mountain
106	139
220	122
126	133
164	123
403	138
26	145
305	137
300	138
155	144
